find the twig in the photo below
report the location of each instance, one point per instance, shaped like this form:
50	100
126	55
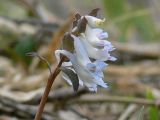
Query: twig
135	70
79	114
48	88
149	50
34	22
118	99
11	107
130	109
61	95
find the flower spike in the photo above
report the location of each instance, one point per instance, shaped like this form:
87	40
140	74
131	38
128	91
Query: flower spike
89	42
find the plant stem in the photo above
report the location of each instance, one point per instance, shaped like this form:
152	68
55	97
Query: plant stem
47	89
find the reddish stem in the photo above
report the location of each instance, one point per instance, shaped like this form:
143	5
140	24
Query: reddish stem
47	90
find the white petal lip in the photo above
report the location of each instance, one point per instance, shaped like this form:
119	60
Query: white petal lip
103	36
93	21
111	58
100	33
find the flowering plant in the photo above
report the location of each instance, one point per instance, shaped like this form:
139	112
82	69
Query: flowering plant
86	63
91	49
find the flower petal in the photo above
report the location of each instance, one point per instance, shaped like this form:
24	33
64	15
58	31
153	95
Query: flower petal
81	54
100	82
100	64
111	58
93	21
103	35
99	33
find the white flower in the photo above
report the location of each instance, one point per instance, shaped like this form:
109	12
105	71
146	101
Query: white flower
89	42
89	79
96	37
98	54
94	40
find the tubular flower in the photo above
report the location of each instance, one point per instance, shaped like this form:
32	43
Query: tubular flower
99	54
96	37
86	77
89	42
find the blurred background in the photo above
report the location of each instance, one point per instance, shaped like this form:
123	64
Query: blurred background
39	25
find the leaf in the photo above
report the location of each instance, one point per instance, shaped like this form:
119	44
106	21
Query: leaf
73	77
153	111
141	113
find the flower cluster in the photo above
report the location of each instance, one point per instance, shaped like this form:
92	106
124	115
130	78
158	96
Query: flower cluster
91	49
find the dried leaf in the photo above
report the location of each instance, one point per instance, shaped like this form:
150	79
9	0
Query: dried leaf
81	26
73	77
94	12
67	43
77	17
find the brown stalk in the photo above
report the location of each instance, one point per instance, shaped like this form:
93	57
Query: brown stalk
50	81
53	46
